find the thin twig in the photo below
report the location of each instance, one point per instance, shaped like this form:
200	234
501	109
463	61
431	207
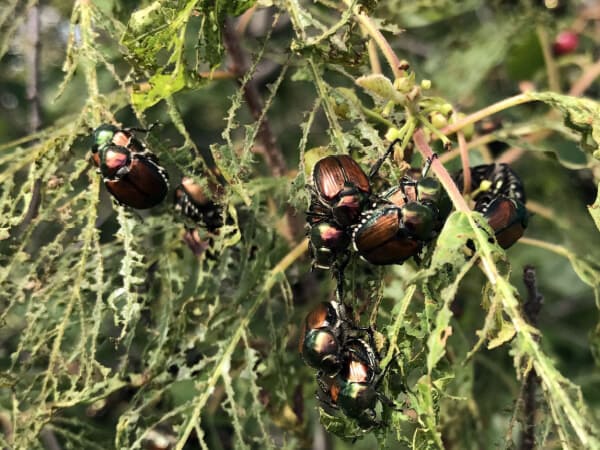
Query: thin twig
49	440
244	20
585	81
532	309
217	75
441	172
239	66
270	149
389	54
551	69
6	427
535	300
373	57
32	57
464	159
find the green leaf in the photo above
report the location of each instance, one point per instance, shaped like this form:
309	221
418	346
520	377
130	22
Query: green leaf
581	115
155	39
340	426
381	87
506	333
438	338
214	13
451	251
161	86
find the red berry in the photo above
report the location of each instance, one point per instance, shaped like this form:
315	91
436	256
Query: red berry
565	42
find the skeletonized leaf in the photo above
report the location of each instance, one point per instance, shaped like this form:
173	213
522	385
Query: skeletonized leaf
381	88
581	115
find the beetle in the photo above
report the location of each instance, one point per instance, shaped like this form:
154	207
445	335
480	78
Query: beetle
322	337
507	217
341	189
426	191
402	220
327	241
324	333
354	390
191	200
491	180
499	195
381	238
131	173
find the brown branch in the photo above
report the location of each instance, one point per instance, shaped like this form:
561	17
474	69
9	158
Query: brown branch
585	81
269	147
32	58
239	67
532	309
49	440
6	427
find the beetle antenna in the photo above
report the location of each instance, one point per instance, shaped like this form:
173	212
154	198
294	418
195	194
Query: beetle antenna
379	162
339	288
143	130
381	376
428	163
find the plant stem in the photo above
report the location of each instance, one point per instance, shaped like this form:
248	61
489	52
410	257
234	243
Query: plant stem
370	114
373	57
217	75
267	284
32	58
370	27
464	159
441	172
487	111
551	70
239	67
532	307
554	248
585	81
270	149
336	129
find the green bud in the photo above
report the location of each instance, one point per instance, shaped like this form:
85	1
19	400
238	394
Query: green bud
404	84
446	109
392	134
438	120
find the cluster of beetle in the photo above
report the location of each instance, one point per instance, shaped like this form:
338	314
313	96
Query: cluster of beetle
382	229
134	176
344	212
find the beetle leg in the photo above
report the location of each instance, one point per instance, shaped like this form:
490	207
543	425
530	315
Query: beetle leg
143	130
327	402
338	273
387	401
316	214
122	172
428	163
379	162
322	385
384	372
405	182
